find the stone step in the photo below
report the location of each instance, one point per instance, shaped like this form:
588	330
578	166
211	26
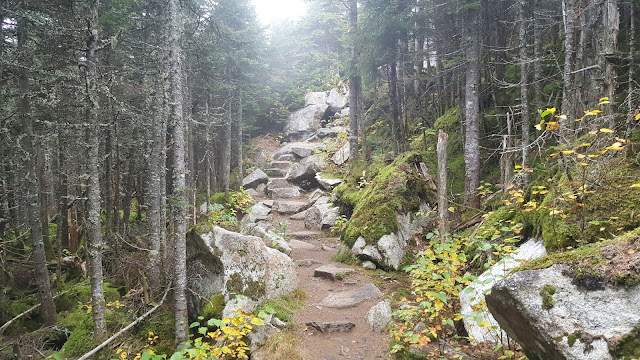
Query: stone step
301	245
275	172
278	182
284	193
287	157
351	298
289	207
284	165
331	272
307	262
306	235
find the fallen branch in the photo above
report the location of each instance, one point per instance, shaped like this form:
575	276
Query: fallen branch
126	328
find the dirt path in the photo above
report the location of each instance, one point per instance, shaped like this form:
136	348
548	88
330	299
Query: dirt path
312	250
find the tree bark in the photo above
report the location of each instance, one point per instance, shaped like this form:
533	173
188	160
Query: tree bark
179	209
94	230
239	143
443	211
632	51
568	93
524	88
538	31
395	120
226	155
354	79
472	111
153	219
32	183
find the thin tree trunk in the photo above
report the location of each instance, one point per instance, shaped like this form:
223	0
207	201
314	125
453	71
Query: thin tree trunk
153	219
62	235
568	94
472	112
239	143
226	160
94	230
538	31
354	116
524	89
32	184
443	205
395	120
632	51
179	210
362	121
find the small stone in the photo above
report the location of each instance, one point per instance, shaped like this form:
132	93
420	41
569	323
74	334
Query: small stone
369	265
350	298
379	316
307	262
328	248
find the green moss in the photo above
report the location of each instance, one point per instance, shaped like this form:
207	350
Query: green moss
213	308
627	348
253	289
82	295
627	280
589	252
610	207
547	293
375	200
572	338
80	324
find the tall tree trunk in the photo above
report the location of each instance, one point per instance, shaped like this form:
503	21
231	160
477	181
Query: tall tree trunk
443	211
395	119
226	156
62	235
568	93
354	79
239	143
632	51
538	31
32	183
524	87
153	217
94	230
472	111
179	209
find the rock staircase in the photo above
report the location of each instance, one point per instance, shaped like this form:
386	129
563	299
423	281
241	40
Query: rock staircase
339	298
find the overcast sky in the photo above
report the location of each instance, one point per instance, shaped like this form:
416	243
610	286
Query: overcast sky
272	10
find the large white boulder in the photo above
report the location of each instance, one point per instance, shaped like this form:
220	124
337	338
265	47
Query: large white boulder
304	123
573	322
473	295
231	264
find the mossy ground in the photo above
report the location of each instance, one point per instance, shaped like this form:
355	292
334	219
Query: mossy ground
372	195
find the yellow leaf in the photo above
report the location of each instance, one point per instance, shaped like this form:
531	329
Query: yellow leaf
562	117
452	209
256	321
636	185
637	116
539	127
605	130
604	99
568	152
583	164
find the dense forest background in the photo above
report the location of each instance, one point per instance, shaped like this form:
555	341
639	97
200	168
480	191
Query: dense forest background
118	117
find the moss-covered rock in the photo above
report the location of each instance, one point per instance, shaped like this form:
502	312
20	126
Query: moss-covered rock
213	308
376	197
609	207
